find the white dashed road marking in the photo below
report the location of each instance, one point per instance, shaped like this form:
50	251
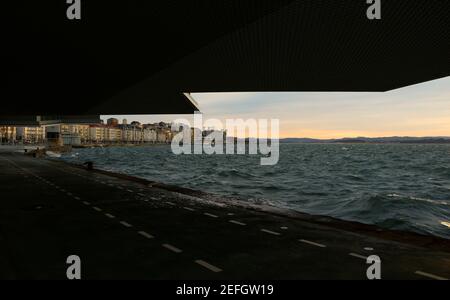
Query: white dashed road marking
432	276
358	256
110	216
270	232
312	243
210	215
188	208
97	208
237	222
125	224
172	248
145	234
208	266
86	203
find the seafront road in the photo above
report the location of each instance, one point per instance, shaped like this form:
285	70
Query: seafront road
131	229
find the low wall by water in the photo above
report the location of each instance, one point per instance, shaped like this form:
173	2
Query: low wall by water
20	148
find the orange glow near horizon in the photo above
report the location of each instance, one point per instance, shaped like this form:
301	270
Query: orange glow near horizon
336	134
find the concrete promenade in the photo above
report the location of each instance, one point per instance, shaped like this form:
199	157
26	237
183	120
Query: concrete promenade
131	229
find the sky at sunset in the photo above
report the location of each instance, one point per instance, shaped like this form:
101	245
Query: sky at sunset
418	110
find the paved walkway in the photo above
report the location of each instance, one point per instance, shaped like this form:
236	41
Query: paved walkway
126	229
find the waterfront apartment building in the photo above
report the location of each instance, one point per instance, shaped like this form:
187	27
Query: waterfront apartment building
96	133
74	134
8	134
131	134
67	134
64	133
30	135
114	135
163	136
77	129
104	134
121	134
150	135
138	133
162	130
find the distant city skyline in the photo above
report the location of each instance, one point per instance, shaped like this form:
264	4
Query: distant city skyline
418	110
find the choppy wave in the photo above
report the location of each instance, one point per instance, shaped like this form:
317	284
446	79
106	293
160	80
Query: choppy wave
403	187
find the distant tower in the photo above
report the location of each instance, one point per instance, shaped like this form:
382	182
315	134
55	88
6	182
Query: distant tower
124	122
